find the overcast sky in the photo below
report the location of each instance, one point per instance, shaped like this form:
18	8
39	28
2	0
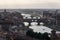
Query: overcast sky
30	4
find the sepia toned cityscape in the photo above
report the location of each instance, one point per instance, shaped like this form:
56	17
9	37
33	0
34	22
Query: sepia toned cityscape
29	24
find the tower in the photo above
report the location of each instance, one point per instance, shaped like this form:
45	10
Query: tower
53	35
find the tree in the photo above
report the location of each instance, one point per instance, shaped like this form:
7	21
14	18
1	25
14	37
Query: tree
45	36
29	32
35	35
39	35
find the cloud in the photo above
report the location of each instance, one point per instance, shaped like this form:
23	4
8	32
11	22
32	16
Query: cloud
29	3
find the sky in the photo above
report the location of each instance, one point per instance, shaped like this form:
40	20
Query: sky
30	4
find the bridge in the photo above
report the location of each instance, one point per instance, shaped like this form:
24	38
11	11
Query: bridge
38	21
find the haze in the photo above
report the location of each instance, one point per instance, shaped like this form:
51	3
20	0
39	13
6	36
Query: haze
30	4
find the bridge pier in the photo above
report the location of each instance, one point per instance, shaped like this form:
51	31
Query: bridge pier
38	23
29	23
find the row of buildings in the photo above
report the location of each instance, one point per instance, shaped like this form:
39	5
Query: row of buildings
53	15
12	22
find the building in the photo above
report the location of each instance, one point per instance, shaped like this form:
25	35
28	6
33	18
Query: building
7	22
58	19
47	14
54	35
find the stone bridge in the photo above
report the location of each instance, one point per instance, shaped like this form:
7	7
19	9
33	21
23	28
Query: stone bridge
38	21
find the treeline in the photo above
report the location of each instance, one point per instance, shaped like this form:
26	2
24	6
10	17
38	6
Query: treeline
39	35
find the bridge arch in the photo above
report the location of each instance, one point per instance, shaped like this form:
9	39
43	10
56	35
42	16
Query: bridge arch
33	23
26	23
